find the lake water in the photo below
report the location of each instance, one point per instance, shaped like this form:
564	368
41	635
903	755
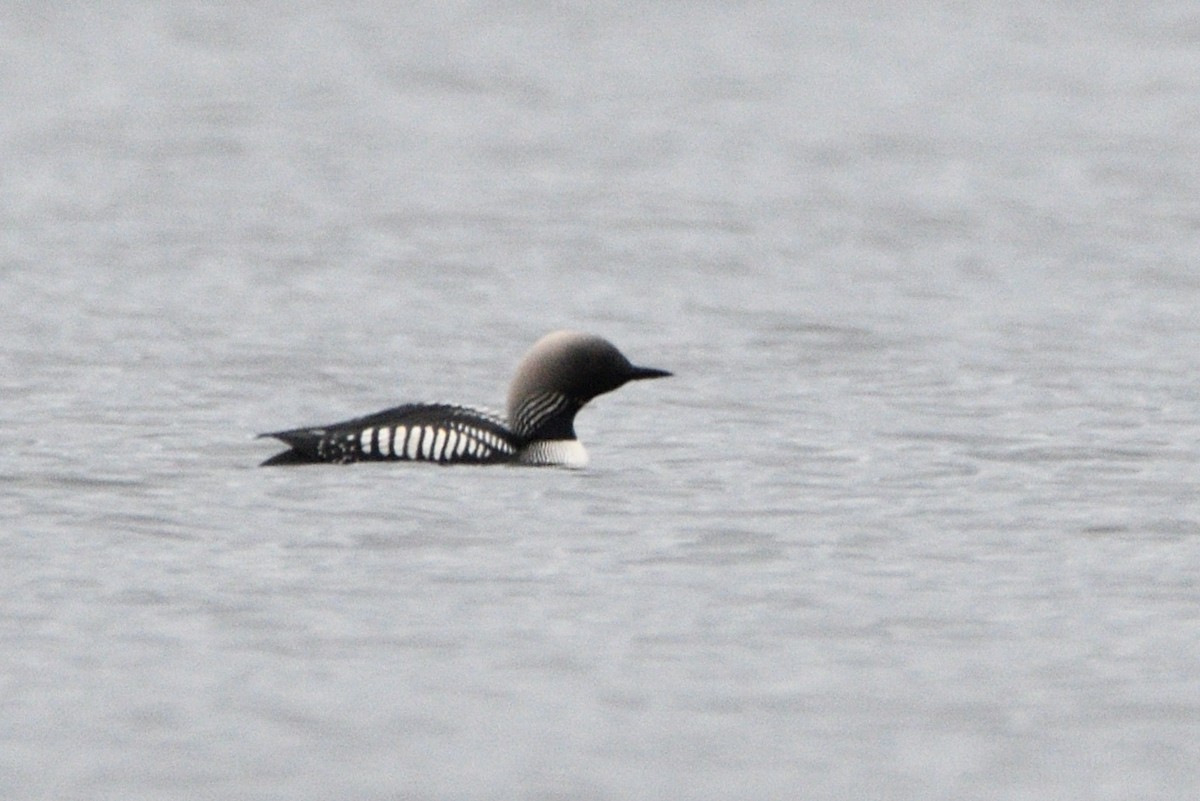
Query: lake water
916	518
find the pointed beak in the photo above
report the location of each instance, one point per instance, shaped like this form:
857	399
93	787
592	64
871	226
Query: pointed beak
638	373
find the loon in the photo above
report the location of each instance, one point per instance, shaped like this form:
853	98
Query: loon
558	376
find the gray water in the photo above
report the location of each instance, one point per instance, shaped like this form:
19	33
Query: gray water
916	519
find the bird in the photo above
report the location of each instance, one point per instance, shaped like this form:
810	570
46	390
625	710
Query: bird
555	379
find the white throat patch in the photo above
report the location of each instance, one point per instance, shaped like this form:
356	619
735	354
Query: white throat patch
555	453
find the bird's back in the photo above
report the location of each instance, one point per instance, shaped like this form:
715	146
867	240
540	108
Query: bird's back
428	432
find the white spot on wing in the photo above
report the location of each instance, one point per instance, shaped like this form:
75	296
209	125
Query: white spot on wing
427	442
365	439
414	437
451	442
398	443
438	443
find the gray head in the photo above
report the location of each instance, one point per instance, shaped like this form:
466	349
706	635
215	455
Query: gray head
560	373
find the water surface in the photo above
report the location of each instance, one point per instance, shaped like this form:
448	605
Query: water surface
915	519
